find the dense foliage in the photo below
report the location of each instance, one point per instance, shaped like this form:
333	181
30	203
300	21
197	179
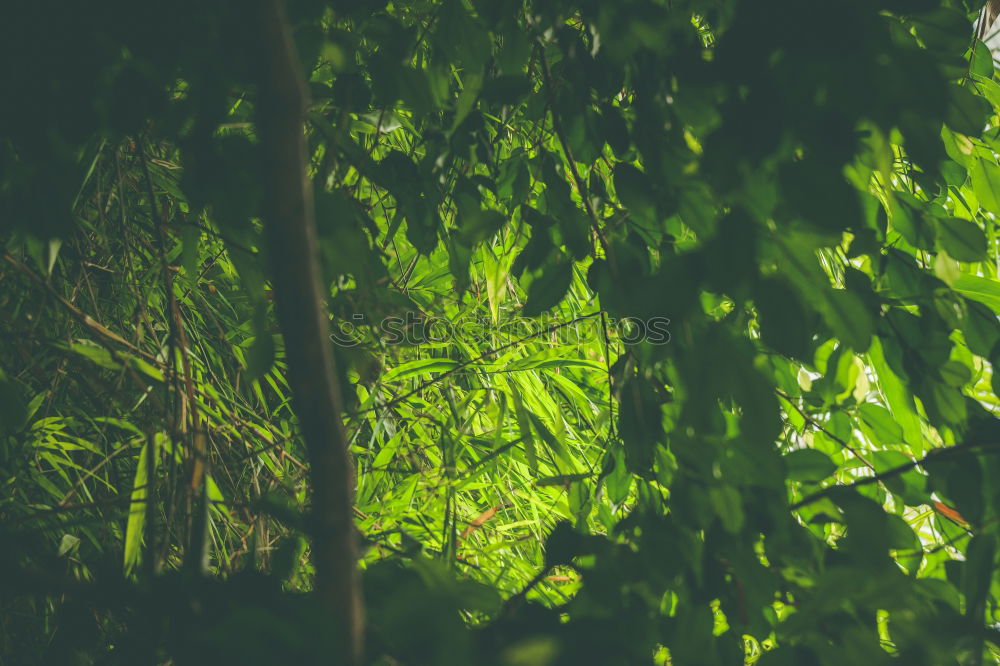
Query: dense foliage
663	332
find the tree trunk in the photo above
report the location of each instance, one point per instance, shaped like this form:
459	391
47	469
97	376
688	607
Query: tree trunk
300	296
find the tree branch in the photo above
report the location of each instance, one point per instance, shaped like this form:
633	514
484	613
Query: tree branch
303	315
937	455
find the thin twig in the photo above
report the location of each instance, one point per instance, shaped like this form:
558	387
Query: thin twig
82	316
819	426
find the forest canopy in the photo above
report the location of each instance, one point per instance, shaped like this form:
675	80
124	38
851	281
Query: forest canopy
535	333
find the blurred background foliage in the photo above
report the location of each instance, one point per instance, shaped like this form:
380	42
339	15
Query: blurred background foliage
789	456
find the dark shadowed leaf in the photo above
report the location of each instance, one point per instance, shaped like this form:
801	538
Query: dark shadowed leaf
549	288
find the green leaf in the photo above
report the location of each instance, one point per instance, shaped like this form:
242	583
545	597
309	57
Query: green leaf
884	428
909	218
955	373
985	176
635	191
981	60
945	29
728	506
966	111
462	37
640	422
947	404
516	50
68	543
496	276
961	239
144	367
980	558
478	226
388	451
981	289
946	268
54	245
868	535
97	355
190	241
904	544
136	522
553	442
842	309
524	424
808	465
850	320
980	328
989	88
419	367
471	85
119	423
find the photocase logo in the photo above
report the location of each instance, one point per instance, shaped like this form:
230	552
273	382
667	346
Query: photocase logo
414	329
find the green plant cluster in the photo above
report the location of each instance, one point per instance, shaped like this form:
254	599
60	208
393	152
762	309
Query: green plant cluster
805	472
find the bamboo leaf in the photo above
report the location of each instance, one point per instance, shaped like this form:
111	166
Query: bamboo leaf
136	523
419	367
